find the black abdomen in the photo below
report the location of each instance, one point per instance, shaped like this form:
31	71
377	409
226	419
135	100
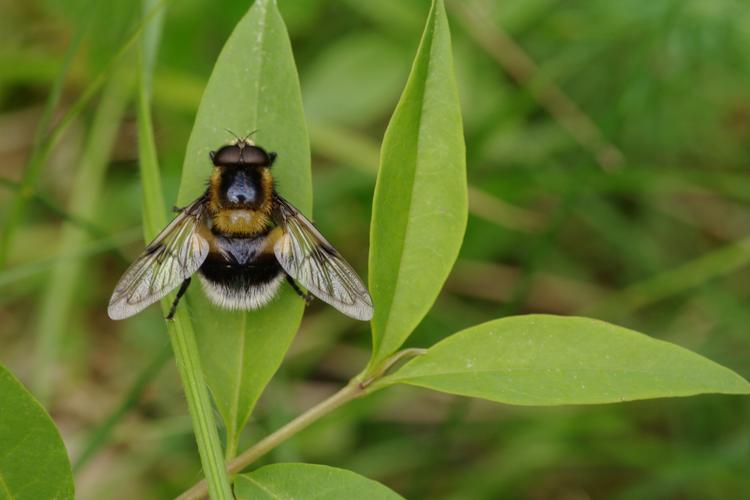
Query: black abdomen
238	275
263	269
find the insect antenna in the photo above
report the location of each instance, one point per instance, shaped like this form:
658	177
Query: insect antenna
233	135
249	135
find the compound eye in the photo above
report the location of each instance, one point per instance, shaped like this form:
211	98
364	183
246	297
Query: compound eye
227	155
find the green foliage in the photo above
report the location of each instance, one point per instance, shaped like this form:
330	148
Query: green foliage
33	460
154	218
254	85
290	481
659	245
419	209
555	360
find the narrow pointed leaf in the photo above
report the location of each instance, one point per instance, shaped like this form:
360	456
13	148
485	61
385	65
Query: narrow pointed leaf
57	303
554	360
254	85
420	207
290	481
33	460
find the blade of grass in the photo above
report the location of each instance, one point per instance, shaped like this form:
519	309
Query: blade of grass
719	262
50	138
181	334
110	243
53	208
38	147
511	56
57	300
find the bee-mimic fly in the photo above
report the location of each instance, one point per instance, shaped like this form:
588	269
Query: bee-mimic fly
243	239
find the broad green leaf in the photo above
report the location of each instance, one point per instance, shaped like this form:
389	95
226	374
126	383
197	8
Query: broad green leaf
254	85
290	481
554	360
33	460
420	208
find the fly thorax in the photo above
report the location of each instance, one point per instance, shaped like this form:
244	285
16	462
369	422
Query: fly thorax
240	250
240	217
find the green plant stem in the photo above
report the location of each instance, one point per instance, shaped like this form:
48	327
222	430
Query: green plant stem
232	442
359	386
180	330
370	377
196	392
181	333
349	392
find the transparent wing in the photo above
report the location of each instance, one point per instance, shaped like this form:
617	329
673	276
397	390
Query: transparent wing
307	257
174	255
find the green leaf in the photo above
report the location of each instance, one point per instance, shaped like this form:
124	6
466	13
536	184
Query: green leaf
554	360
420	207
33	460
254	85
290	481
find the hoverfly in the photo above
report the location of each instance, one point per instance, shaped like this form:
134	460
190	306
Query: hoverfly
243	239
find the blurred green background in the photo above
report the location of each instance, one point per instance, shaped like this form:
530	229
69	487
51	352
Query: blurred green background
607	146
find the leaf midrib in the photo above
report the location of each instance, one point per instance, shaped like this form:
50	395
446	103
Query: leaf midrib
5	487
234	410
625	371
263	8
241	380
263	487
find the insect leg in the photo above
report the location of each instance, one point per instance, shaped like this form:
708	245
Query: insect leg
307	296
180	293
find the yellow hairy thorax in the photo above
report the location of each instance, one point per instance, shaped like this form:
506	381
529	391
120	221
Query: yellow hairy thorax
240	221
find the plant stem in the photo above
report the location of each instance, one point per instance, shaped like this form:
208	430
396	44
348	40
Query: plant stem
188	362
232	441
359	386
349	392
369	377
180	330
